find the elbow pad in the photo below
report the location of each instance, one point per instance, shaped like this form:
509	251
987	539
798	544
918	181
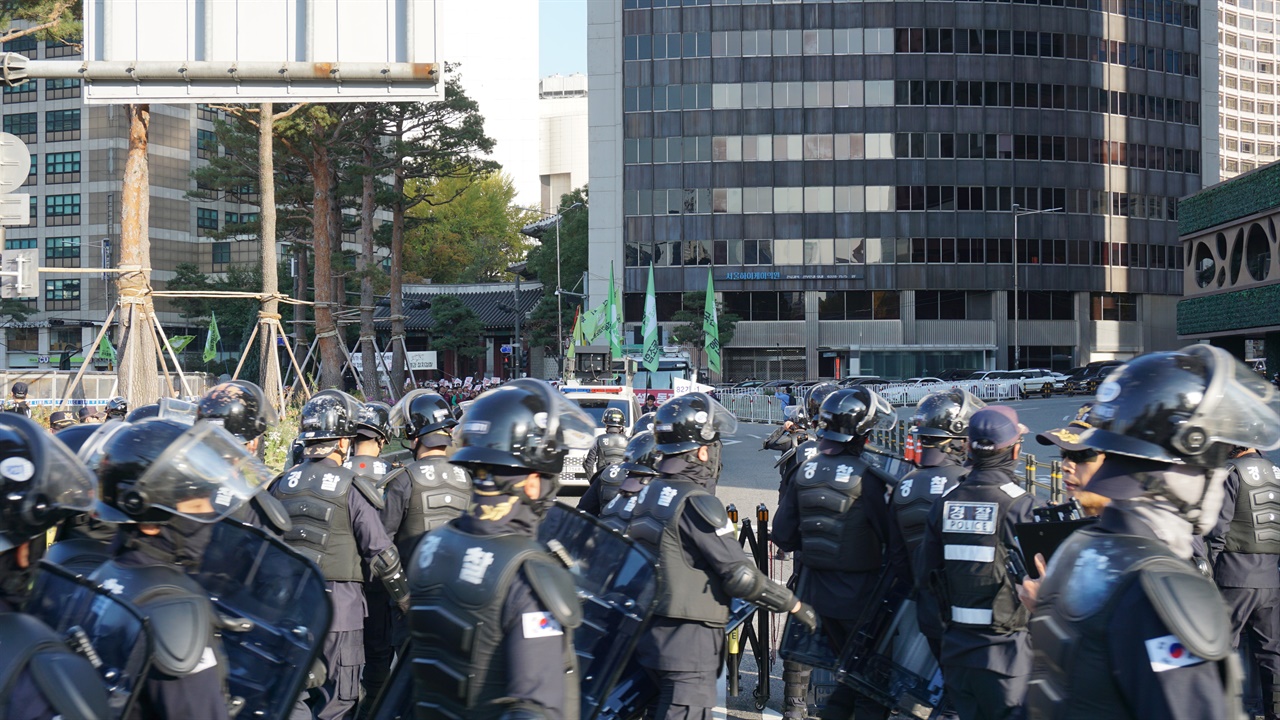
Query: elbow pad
386	566
745	581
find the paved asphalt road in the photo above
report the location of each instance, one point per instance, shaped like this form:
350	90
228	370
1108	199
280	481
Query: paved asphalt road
749	479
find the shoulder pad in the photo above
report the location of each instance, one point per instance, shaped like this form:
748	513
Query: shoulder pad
786	456
79	555
1191	607
613	474
385	482
272	512
953	487
369	491
70	684
887	478
554	587
180	625
710	508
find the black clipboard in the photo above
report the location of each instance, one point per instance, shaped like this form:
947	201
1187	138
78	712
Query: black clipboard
1044	538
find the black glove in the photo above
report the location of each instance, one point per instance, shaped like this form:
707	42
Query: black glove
806	616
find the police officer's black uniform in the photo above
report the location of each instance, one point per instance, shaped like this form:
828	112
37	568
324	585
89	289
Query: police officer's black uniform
42	678
833	512
1245	546
609	447
493	611
940	422
701	564
969	536
336	524
1124	626
17	400
637	469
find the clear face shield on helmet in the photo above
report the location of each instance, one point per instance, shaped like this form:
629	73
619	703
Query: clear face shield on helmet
46	483
880	415
90	453
178	410
204	475
1235	409
795	414
718	421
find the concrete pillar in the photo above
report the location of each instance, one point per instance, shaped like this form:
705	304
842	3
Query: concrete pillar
1271	348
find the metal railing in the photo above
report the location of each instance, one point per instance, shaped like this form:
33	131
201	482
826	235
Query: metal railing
46	387
755	405
755	631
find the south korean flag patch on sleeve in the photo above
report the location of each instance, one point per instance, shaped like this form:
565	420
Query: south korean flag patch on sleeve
1168	653
540	625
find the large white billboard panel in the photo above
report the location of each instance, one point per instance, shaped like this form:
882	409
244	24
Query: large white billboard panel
336	50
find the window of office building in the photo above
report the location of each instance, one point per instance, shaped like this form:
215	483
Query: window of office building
62	167
61	294
57	88
62	210
1113	306
26	340
61	125
1043	305
206	218
22	124
62	251
221	253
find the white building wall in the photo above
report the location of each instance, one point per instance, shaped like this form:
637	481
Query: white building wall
562	137
495	43
604	62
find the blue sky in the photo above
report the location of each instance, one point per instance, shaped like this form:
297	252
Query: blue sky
562	37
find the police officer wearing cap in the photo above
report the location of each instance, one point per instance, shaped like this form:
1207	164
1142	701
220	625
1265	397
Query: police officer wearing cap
701	565
164	507
60	420
1079	462
17	400
493	610
42	678
1124	625
965	562
941	421
335	519
608	448
1245	545
621	483
833	512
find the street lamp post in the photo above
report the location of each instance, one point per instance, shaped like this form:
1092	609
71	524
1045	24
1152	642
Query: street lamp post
535	230
1017	213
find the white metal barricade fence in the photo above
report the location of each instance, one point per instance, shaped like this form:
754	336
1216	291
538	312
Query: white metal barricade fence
46	387
754	405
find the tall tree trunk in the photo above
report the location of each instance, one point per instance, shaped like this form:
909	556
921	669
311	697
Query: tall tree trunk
269	369
137	370
397	279
322	230
366	266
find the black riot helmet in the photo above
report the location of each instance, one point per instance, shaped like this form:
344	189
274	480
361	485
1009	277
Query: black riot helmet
422	412
613	418
1188	407
818	393
41	481
75	435
154	470
688	422
523	425
329	415
142	413
641	456
117	408
374	421
240	406
945	415
851	413
644	422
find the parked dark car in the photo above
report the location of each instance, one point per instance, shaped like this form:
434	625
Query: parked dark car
1086	379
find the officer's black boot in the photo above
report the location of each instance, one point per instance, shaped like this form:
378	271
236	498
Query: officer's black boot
795	704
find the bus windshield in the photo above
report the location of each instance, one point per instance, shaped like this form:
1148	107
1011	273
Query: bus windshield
660	380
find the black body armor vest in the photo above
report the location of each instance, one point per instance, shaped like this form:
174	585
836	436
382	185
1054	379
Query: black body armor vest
1255	528
459	583
617	513
374	468
610	447
980	591
686	592
440	491
1074	674
177	609
835	532
913	499
315	496
66	681
610	480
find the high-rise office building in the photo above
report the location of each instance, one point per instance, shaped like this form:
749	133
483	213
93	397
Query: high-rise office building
854	173
1246	84
562	136
77	162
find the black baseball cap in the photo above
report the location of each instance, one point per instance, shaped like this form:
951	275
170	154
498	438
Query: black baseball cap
19	390
995	427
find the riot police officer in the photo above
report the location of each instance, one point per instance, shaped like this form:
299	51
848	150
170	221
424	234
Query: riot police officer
164	484
941	421
833	512
17	400
335	520
1124	625
41	483
117	409
965	562
373	431
1244	545
622	482
142	413
798	443
60	420
242	409
701	565
608	448
485	577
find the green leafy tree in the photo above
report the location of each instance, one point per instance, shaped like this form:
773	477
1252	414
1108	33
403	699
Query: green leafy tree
690	333
46	19
236	317
14	311
573	247
473	238
456	328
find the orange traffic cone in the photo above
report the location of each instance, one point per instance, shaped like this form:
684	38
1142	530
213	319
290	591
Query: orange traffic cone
909	448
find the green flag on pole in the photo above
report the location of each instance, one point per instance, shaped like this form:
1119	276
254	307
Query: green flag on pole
178	343
649	327
211	341
711	328
106	350
591	324
613	323
577	335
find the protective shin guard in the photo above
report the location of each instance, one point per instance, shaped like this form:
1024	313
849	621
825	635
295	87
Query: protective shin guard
795	678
